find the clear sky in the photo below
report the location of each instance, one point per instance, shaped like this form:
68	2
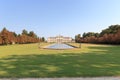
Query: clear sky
53	17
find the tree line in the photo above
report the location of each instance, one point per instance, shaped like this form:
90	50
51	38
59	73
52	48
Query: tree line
111	35
8	37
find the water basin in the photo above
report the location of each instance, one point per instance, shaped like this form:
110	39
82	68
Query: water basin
59	46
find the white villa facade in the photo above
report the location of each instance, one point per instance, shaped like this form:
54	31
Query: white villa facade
59	39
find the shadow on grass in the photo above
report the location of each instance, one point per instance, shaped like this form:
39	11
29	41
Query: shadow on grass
101	62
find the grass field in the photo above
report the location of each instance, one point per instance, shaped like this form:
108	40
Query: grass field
27	60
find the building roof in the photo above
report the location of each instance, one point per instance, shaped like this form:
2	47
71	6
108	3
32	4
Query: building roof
59	36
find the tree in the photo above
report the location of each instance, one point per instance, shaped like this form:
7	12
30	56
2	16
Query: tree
32	34
0	40
43	39
96	34
7	37
113	29
84	35
110	35
4	36
77	38
24	32
15	34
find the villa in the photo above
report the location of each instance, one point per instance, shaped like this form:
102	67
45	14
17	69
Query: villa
59	39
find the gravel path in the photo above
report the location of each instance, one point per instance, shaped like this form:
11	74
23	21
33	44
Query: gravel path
95	78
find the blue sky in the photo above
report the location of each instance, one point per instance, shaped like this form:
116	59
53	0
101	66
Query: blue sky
53	17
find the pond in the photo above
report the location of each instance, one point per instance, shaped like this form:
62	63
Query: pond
59	46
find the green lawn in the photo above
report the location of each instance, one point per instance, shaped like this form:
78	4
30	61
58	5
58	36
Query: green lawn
28	60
